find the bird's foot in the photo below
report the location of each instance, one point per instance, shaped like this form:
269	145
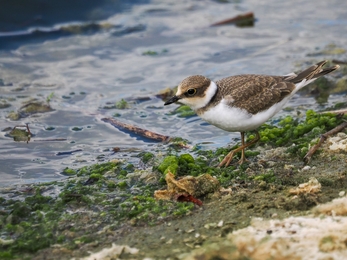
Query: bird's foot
227	160
229	157
243	160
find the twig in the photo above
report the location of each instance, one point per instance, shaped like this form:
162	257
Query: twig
239	19
137	130
340	111
322	139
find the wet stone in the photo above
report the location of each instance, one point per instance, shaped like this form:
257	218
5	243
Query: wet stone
35	107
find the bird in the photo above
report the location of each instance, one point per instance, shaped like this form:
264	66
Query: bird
244	102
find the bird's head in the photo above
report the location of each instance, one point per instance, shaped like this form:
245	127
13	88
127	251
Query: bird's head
194	91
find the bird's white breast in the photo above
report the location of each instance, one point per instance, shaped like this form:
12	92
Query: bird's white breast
234	119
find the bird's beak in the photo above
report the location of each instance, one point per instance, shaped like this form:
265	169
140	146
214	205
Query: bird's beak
171	100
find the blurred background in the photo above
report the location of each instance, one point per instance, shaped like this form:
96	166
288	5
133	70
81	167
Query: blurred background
64	65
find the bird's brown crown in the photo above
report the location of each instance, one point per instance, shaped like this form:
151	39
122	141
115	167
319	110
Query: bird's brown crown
193	86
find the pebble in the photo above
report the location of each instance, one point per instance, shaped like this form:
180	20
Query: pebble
210	225
288	166
271	163
306	168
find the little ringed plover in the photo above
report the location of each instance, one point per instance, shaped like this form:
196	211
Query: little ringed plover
244	102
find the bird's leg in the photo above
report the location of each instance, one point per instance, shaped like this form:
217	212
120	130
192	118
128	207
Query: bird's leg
227	159
243	157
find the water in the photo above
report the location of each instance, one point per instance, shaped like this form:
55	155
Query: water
90	55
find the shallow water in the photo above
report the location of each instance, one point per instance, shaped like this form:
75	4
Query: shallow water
94	56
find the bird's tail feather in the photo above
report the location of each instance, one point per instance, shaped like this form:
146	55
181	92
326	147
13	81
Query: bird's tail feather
311	73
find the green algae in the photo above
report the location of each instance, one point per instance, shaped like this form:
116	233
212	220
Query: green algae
298	136
122	184
179	165
268	177
184	111
146	157
50	97
170	163
185	164
177	143
19	134
77	128
4	104
35	107
122	104
68	171
26	224
150	53
49	128
13	115
154	53
93	197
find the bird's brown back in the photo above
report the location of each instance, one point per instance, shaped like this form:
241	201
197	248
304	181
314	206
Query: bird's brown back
253	93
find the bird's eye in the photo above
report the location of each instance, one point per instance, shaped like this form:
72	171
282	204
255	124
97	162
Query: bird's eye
191	91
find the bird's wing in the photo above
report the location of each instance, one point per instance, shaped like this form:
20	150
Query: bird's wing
254	93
